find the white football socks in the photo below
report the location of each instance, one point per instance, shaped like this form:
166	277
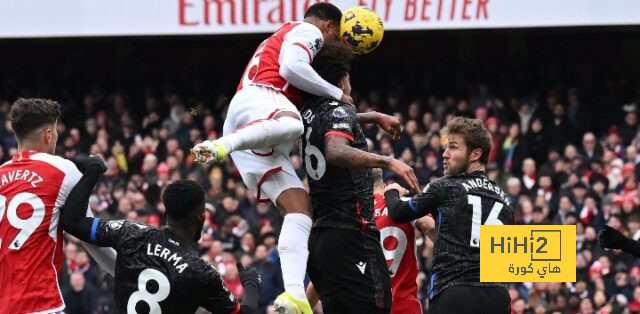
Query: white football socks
263	133
293	249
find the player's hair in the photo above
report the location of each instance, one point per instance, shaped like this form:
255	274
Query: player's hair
333	62
475	135
325	11
30	114
376	175
182	197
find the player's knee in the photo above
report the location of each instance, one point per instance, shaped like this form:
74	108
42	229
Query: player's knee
294	127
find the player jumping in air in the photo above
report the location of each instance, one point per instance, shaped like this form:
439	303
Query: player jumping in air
263	122
159	270
34	186
460	202
346	263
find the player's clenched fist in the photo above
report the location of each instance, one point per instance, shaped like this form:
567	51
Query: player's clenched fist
611	238
249	276
91	162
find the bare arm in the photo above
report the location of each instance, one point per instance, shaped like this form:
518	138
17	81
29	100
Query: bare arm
427	226
387	123
368	117
338	152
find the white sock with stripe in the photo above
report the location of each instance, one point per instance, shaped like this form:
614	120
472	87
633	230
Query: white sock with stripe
293	250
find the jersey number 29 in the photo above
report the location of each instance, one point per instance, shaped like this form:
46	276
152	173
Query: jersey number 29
476	219
397	252
26	226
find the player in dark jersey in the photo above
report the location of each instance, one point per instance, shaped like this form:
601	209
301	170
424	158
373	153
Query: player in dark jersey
158	270
346	263
460	202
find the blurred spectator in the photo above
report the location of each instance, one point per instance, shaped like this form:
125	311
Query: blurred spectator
272	284
81	297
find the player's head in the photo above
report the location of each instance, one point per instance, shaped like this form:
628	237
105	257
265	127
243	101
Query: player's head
184	206
378	182
326	17
333	63
468	144
34	121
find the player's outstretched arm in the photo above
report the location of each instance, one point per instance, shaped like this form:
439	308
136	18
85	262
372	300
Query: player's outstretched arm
252	283
418	206
73	218
611	238
387	123
338	152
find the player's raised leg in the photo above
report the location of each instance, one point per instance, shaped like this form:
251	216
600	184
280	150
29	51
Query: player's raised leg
283	127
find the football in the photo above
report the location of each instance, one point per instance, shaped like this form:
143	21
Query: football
361	29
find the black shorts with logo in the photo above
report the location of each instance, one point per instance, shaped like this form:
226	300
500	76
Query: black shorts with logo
349	271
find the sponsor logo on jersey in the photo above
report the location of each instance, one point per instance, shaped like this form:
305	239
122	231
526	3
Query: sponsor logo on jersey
341	126
315	46
361	266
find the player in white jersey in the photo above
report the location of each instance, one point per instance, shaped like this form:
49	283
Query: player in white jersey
263	121
34	186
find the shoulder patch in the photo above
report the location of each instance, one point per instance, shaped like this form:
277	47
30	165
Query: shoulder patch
339	112
315	46
115	224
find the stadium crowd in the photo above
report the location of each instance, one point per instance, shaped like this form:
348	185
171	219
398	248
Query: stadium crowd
545	155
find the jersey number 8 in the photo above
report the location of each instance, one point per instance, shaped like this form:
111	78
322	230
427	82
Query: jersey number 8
152	299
